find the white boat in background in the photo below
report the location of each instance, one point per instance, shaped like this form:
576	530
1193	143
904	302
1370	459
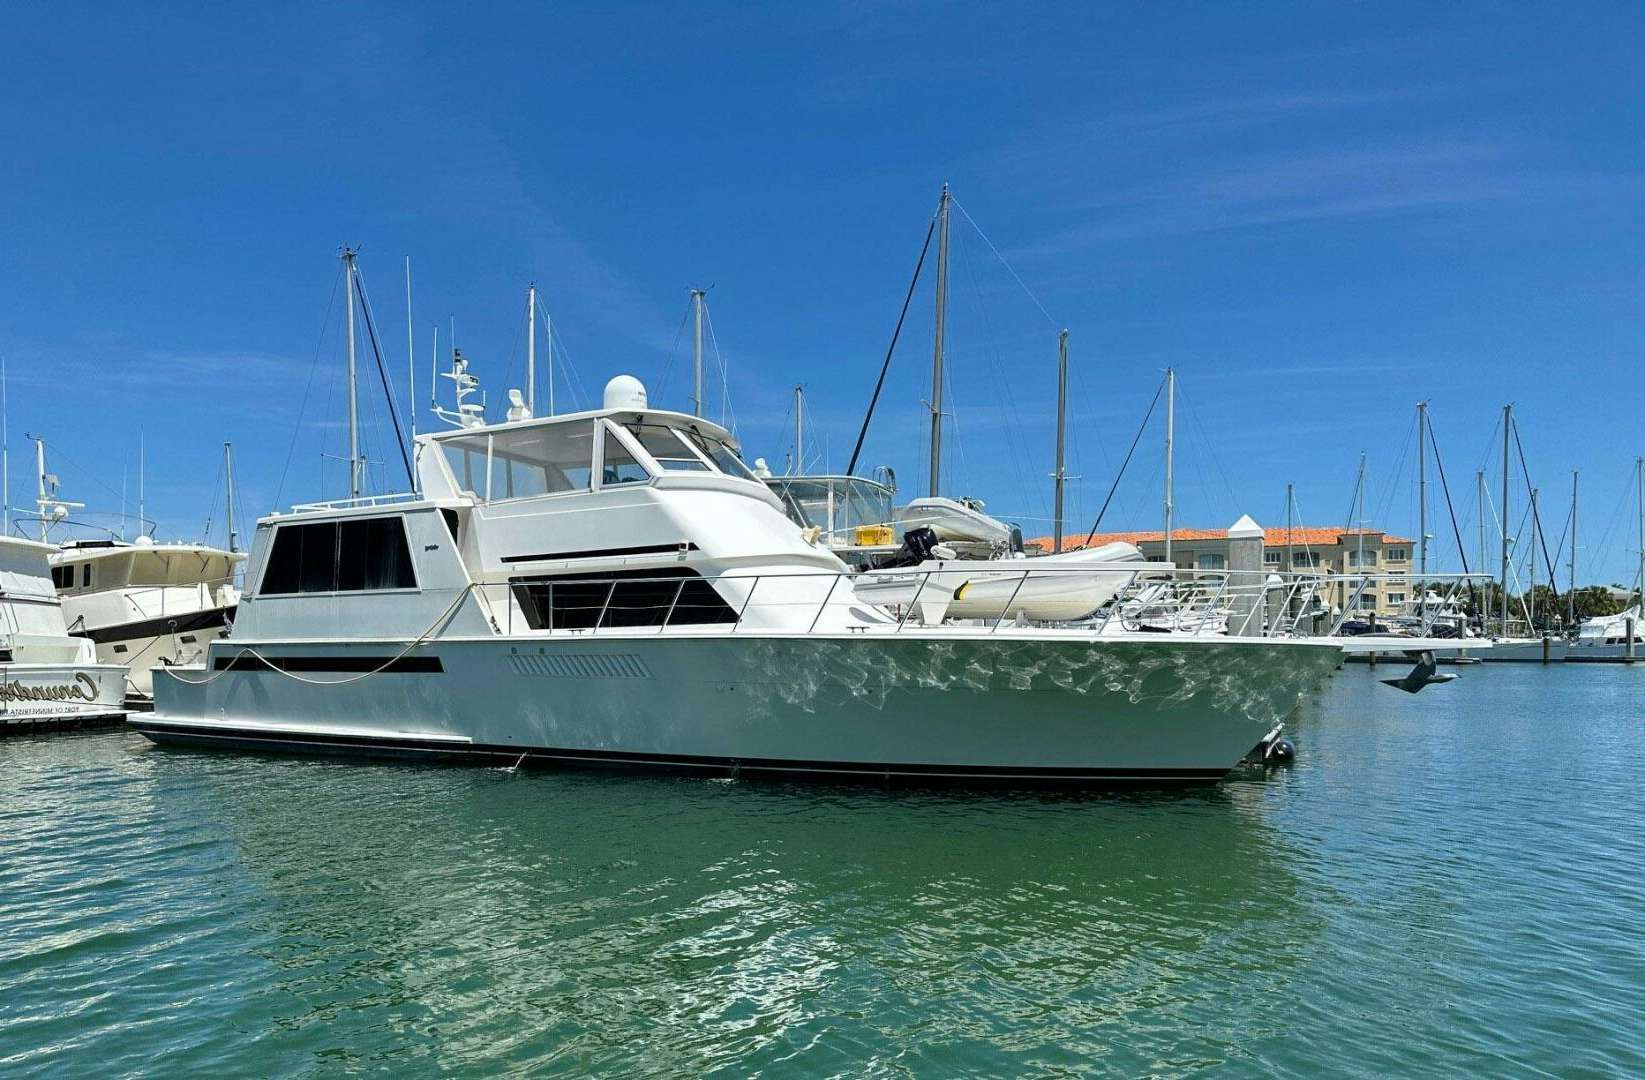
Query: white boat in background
1615	638
616	588
1050	588
145	604
48	679
961	524
142	603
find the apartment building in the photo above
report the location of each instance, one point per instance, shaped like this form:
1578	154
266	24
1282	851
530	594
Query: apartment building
1303	550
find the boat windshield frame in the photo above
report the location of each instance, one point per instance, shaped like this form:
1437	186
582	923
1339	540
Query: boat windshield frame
838	497
648	445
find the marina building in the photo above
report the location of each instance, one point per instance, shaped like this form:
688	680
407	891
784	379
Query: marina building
1321	550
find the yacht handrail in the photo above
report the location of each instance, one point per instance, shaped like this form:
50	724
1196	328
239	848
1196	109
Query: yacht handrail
1190	600
358	501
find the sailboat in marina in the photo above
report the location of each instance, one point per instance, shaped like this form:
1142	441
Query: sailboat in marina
615	587
1618	638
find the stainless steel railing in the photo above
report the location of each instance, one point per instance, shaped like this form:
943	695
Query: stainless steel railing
1224	602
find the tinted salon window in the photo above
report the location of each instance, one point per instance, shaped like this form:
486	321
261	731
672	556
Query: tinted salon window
347	556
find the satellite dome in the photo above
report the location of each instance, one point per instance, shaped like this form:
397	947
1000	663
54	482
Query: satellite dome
625	392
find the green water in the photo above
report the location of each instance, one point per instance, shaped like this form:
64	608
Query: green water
1448	883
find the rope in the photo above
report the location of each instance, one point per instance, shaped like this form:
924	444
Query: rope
879	384
382	372
297	428
390	662
1001	258
1120	475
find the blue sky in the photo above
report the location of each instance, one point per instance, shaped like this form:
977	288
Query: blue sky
1318	215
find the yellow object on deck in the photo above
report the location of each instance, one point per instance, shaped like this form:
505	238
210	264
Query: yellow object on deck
875	536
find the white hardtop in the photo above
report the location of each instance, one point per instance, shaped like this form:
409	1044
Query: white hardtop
83	550
25	568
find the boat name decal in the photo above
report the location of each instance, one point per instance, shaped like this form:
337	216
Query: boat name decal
83	688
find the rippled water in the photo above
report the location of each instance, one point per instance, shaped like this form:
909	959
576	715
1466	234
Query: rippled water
1446	883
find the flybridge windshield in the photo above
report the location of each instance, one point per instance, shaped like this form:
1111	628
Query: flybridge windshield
559	458
833	505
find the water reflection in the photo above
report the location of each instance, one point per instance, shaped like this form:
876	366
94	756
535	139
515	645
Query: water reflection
493	919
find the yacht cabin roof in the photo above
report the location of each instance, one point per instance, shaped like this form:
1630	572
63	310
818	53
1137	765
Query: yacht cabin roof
707	464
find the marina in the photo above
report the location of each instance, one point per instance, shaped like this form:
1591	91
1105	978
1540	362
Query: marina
876	541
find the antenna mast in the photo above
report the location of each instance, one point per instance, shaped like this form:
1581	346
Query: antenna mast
937	348
40	476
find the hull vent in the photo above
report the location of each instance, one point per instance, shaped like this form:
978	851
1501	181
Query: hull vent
580	666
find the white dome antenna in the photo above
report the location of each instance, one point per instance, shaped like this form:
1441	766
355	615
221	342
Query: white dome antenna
625	392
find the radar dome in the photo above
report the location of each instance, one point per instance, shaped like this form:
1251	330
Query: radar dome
625	392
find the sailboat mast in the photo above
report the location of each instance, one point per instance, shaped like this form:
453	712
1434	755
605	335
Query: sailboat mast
353	389
411	357
937	343
228	485
1290	558
799	431
531	348
1570	592
1479	484
1422	487
1639	469
697	352
1530	591
5	457
1062	431
1170	439
1359	520
142	480
1422	511
1507	434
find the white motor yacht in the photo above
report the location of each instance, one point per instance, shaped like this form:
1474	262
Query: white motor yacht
1615	638
146	603
48	679
617	588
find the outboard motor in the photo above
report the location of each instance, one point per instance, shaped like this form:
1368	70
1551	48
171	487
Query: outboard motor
1016	539
917	546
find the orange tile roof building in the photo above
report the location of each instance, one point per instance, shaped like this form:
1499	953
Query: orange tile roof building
1301	549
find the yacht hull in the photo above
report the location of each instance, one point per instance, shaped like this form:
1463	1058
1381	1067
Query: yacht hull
46	697
1005	706
140	646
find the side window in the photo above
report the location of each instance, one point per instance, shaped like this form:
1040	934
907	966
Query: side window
85	575
543	460
330	556
620	466
372	554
